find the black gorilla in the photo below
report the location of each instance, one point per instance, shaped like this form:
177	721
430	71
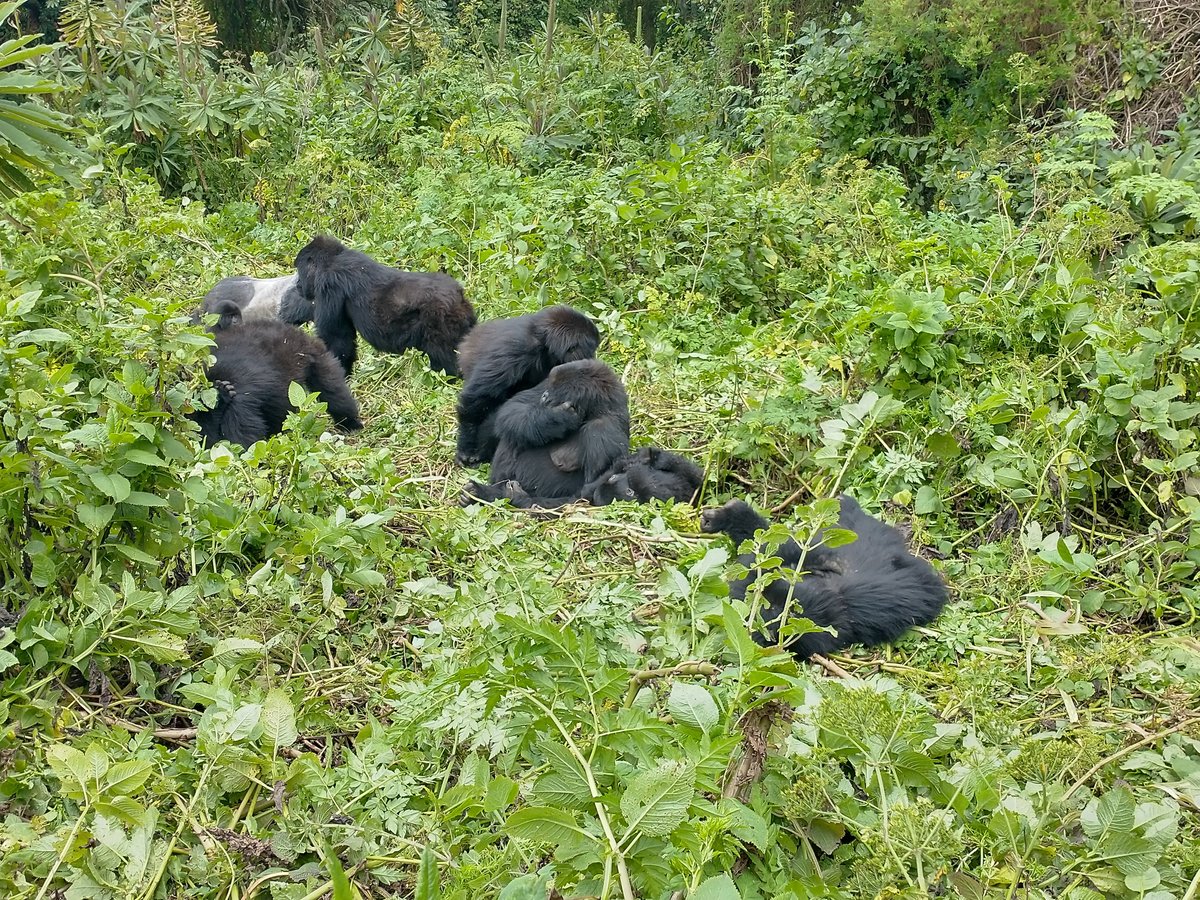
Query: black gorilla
258	298
871	590
394	311
563	434
649	474
255	363
498	359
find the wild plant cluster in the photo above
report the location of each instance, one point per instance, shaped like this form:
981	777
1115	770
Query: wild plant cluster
303	670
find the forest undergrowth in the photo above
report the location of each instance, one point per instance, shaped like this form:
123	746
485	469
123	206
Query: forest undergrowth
303	670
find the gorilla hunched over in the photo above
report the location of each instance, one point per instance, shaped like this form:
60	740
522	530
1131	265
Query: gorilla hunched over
394	311
255	363
565	433
871	590
501	358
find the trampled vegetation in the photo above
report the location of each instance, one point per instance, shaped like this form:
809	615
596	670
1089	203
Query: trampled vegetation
940	256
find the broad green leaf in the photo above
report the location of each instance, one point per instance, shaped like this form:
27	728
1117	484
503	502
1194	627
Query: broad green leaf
710	563
657	801
114	485
126	777
544	824
528	887
1141	882
838	537
126	809
242	722
1128	853
278	719
95	518
501	794
736	634
1112	813
159	645
718	887
693	705
228	649
70	766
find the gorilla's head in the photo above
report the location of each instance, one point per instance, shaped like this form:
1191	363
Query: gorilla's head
737	519
567	334
587	386
316	256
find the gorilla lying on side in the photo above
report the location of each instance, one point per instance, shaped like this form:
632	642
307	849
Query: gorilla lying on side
651	473
563	434
500	358
259	298
394	311
255	363
871	590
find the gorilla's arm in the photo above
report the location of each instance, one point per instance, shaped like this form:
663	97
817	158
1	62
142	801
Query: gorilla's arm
526	422
602	442
333	323
675	464
490	384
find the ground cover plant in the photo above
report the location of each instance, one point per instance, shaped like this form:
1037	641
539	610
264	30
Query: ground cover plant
303	670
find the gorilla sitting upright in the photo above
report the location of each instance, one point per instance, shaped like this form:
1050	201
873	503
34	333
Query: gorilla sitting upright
556	438
650	473
871	590
258	298
394	311
498	359
255	363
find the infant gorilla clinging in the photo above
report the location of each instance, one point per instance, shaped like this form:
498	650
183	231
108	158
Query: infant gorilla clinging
871	590
565	433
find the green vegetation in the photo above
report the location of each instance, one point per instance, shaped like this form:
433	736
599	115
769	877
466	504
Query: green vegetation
862	247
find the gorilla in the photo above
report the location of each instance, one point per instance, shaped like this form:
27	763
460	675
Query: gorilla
255	363
259	298
394	311
649	474
871	590
499	359
557	437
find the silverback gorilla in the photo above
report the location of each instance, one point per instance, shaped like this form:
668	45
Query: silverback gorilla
651	473
871	590
394	311
564	433
255	363
259	298
498	359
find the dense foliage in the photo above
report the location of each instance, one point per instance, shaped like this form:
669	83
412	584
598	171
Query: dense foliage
303	670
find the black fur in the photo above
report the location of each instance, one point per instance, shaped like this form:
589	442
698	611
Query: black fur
556	438
649	474
394	311
255	364
871	590
500	358
258	298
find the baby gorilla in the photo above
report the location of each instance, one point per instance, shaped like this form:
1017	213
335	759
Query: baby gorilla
871	590
255	363
394	311
498	359
651	473
563	434
257	298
